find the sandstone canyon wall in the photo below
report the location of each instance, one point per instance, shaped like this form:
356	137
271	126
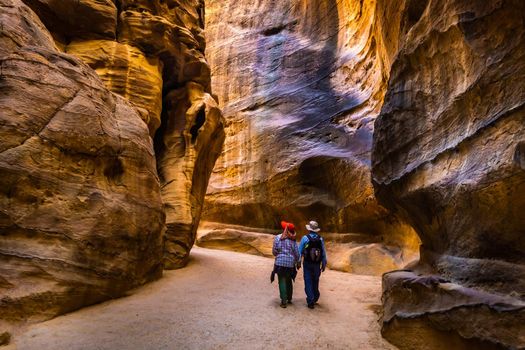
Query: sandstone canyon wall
108	136
81	213
152	53
300	84
448	156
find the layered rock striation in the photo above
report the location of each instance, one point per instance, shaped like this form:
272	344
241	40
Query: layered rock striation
81	214
108	136
152	53
448	157
300	84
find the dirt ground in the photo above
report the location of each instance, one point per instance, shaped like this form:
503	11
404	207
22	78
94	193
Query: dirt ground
222	300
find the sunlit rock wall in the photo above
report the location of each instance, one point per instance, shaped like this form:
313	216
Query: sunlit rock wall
152	53
84	88
81	215
448	155
300	84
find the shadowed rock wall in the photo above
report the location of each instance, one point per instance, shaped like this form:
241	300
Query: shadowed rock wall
448	156
300	84
152	53
81	215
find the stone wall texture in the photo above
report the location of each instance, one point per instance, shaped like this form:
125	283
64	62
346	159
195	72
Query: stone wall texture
375	117
393	123
448	157
109	134
300	84
81	214
152	53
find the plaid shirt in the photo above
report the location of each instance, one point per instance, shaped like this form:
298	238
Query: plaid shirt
285	252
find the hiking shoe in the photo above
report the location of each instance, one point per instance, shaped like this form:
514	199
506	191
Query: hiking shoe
290	301
283	304
311	306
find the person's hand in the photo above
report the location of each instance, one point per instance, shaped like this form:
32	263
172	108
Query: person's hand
323	267
285	234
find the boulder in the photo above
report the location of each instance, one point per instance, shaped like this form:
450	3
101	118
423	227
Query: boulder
81	214
429	312
237	239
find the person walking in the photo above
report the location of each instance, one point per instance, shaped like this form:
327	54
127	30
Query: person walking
313	252
286	259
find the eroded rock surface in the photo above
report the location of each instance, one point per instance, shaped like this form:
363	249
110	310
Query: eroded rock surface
152	53
128	72
82	217
447	154
235	238
88	19
429	312
81	214
300	84
189	143
354	253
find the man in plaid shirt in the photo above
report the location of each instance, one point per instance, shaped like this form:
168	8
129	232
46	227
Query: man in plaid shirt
286	259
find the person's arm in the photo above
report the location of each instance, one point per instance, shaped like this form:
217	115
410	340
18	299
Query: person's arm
301	251
297	255
325	259
275	248
301	246
284	235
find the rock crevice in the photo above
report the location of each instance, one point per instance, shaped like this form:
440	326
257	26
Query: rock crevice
444	157
85	85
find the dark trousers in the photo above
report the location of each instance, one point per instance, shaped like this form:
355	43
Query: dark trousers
284	275
312	272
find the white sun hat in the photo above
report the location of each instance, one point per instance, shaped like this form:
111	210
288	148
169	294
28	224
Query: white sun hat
313	226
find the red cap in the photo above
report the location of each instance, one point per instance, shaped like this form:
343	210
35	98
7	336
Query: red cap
290	226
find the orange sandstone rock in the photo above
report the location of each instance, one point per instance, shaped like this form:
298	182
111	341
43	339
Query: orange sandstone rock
81	214
300	84
447	154
156	61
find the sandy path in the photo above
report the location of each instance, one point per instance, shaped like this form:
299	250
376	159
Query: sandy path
222	300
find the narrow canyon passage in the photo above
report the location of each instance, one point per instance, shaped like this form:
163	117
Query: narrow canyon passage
131	130
221	300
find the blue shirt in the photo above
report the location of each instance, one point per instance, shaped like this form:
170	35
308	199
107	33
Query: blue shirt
285	252
304	240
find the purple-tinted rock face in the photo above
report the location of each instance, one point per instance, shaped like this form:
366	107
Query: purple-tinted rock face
300	84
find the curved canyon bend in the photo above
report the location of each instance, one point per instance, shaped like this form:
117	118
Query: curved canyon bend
132	130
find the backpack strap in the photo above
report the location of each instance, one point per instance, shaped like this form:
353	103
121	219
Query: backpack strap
312	239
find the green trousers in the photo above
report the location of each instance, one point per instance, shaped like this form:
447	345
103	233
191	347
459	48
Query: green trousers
285	284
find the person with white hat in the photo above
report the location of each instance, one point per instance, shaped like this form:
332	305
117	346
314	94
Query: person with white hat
313	253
